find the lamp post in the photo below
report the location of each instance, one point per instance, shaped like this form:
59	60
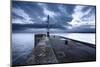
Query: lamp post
48	26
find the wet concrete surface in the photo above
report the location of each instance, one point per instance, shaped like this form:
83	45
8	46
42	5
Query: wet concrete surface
72	51
43	54
56	49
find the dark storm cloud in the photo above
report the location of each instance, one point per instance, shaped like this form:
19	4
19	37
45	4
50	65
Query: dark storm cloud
62	16
32	9
59	13
83	15
14	16
37	12
84	29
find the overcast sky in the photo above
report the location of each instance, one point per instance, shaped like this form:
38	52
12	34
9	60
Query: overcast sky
67	15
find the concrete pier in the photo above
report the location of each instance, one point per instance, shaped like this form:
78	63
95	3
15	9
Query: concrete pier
43	52
72	51
57	49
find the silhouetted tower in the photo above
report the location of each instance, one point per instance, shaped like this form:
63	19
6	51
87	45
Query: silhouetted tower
48	26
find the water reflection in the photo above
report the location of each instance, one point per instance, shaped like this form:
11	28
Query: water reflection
22	45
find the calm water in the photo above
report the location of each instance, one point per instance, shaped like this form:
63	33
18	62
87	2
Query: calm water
23	43
85	37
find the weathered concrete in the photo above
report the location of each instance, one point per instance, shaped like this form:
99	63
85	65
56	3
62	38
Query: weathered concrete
72	51
43	53
56	49
59	50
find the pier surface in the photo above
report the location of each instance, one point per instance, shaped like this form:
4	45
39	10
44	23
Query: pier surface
57	49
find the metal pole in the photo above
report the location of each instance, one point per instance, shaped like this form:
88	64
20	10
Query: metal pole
48	26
